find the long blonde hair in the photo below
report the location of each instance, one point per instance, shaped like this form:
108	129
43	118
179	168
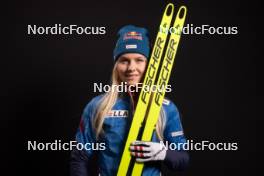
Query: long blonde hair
107	103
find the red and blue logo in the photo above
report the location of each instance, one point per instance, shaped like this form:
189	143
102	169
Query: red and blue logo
132	35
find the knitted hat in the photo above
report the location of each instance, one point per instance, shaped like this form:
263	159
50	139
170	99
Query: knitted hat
132	39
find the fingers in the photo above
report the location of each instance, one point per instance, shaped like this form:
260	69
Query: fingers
145	151
142	160
139	151
143	143
140	148
141	154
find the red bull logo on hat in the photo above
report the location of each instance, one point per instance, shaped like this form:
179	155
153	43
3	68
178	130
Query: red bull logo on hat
132	35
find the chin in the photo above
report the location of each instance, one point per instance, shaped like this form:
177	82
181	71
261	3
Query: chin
134	83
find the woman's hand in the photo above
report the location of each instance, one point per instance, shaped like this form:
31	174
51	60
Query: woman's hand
148	151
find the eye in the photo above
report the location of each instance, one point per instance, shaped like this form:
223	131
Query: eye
123	61
140	59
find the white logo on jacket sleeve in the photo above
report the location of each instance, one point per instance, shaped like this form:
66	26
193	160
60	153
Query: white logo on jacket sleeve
117	113
166	102
176	133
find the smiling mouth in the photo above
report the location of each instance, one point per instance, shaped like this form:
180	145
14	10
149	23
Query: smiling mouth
131	76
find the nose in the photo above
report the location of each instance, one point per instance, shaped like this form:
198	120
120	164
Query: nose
131	66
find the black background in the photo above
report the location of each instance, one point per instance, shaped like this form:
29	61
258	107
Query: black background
48	79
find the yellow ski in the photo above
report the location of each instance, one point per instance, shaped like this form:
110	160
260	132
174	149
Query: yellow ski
163	79
145	95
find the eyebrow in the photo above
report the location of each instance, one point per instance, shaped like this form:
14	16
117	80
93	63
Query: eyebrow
124	57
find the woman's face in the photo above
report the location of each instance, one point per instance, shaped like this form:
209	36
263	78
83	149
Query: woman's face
131	67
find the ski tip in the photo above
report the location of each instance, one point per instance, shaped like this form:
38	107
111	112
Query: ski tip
169	9
182	13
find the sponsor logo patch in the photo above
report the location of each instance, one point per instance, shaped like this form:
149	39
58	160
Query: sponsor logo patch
118	113
132	35
131	46
176	133
166	102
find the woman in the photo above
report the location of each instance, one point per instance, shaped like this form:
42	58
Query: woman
107	118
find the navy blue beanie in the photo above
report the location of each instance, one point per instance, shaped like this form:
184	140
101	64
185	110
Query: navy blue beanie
132	39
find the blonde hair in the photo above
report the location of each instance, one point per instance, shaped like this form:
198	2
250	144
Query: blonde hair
107	103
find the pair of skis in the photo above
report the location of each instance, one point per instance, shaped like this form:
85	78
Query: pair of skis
150	102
